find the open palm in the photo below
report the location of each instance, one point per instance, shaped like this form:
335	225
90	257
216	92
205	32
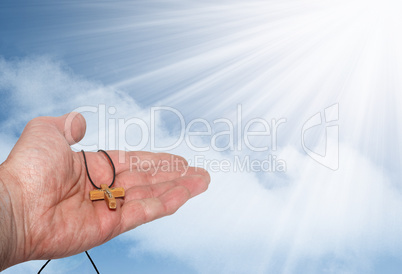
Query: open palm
49	190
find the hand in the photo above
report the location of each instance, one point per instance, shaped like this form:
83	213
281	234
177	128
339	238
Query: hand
46	211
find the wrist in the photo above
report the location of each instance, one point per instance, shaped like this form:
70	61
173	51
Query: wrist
8	236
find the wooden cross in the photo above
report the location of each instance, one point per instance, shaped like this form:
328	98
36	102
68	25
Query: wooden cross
108	194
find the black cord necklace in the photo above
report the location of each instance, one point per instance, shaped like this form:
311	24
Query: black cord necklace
89	257
108	193
111	162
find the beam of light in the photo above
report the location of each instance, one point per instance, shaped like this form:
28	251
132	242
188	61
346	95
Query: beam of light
277	59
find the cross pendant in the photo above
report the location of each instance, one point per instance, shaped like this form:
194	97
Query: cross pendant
107	194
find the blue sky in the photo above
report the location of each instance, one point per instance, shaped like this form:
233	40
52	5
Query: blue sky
276	61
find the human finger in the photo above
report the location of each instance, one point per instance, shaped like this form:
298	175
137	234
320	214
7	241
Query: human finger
71	125
136	212
129	179
191	182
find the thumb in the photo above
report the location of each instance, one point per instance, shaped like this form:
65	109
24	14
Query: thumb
72	125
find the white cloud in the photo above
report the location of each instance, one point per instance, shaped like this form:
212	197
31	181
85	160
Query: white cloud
42	86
